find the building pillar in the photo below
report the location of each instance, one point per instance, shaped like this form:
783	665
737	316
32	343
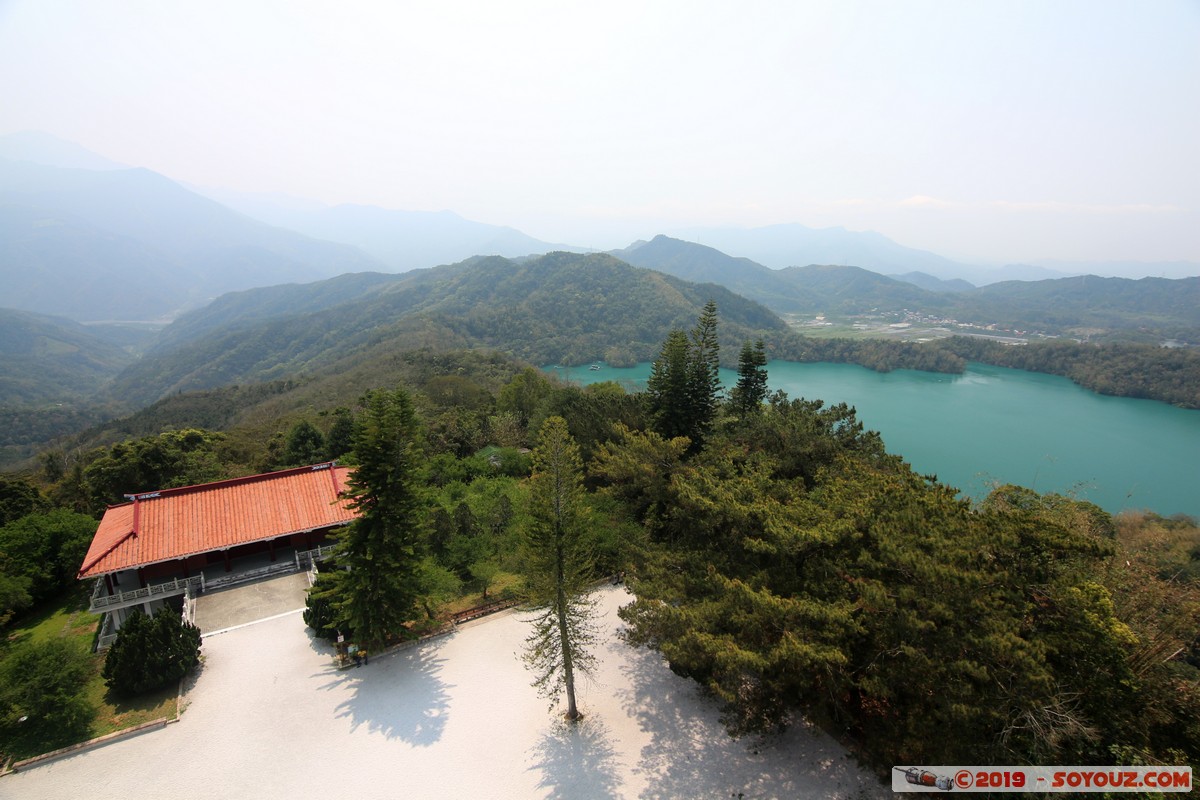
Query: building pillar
271	547
228	561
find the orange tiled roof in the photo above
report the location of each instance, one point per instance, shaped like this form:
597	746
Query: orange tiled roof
175	523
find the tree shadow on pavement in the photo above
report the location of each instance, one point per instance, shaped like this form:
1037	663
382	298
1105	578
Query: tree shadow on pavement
578	762
399	694
690	754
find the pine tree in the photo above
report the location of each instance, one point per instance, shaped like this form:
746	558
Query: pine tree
560	567
668	390
751	390
151	652
704	378
341	434
382	549
685	383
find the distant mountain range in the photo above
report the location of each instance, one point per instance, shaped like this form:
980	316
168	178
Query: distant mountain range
788	245
1149	308
809	289
401	240
794	245
932	284
90	239
131	244
50	151
558	308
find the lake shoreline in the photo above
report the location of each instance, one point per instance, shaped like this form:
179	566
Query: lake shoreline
994	425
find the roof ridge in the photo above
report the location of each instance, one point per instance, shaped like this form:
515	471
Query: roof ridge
89	564
175	490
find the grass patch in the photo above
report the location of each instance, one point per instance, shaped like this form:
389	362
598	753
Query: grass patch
116	713
65	616
505	585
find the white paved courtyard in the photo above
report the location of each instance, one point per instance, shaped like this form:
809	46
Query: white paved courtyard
269	717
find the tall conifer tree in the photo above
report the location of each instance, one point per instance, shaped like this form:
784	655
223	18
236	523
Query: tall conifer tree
685	382
704	378
751	390
378	594
668	387
560	567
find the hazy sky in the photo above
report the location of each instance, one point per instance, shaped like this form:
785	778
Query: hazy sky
987	131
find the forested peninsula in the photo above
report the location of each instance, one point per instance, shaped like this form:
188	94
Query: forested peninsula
1144	371
1171	375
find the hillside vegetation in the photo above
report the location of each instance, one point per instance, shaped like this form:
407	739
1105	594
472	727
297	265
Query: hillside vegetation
1148	309
558	308
49	360
781	557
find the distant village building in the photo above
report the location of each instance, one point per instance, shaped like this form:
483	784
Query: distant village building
173	543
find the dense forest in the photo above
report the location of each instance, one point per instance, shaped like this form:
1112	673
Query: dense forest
780	556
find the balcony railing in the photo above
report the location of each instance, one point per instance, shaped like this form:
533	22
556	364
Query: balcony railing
104	602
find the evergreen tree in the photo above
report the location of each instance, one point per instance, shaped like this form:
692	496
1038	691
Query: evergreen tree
559	567
704	378
375	589
684	388
441	532
667	388
319	613
751	390
151	652
14	591
305	445
466	545
341	434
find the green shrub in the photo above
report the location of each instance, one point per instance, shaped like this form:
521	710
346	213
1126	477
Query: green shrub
42	700
319	613
151	652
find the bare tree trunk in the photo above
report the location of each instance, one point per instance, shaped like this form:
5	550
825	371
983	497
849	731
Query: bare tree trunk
568	667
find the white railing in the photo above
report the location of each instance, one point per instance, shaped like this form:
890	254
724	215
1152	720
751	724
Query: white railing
312	556
101	602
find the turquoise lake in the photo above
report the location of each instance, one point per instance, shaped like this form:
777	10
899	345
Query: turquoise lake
992	425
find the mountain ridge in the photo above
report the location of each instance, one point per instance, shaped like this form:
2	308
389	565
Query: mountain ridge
187	248
560	307
402	240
